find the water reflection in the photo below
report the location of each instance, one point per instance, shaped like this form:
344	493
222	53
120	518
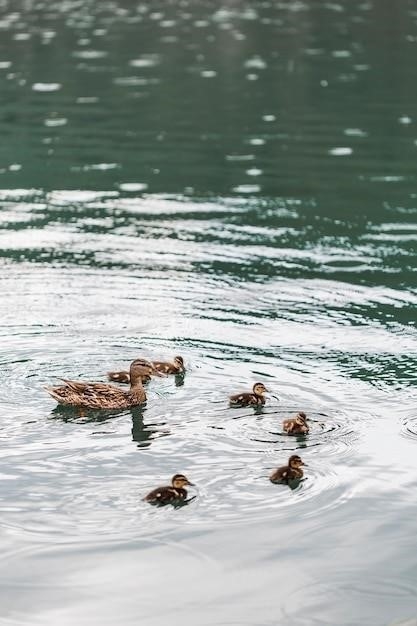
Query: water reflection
83	415
143	434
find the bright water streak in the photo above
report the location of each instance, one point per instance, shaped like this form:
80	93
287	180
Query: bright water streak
234	184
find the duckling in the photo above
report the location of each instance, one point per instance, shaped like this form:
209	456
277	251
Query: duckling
296	425
170	493
250	398
124	377
103	395
292	471
166	367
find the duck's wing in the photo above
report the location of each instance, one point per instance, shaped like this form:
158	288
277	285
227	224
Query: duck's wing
92	395
280	474
81	387
241	398
61	394
162	495
119	377
288	425
165	367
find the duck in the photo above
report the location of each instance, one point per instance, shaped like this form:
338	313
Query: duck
255	397
103	395
166	367
170	494
292	471
296	425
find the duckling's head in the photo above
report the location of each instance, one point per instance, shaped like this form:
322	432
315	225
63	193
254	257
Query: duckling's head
301	418
179	361
179	481
140	368
259	389
295	461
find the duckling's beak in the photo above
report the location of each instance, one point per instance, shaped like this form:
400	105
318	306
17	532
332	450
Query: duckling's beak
302	463
190	483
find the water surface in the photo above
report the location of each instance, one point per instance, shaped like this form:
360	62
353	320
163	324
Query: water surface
235	184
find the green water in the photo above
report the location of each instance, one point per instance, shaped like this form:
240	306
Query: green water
235	183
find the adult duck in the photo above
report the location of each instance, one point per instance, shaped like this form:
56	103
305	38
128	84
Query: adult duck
103	395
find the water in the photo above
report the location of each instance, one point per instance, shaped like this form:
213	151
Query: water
234	183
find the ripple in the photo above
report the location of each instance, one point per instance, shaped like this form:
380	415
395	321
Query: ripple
359	602
149	60
179	425
53	122
341	151
243	492
133	187
246	189
46	87
409	424
89	54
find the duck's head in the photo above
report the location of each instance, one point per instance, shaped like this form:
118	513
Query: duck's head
179	481
295	461
259	389
140	368
179	361
301	419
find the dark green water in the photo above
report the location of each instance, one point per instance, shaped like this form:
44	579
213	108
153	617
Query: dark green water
235	183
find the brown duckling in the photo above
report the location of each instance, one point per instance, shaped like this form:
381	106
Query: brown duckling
255	397
166	367
103	395
169	494
292	471
296	425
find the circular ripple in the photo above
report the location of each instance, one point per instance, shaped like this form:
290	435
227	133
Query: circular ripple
409	425
377	601
261	430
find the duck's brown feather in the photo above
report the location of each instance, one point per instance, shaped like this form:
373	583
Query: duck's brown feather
96	395
286	473
119	377
166	494
165	367
292	427
245	399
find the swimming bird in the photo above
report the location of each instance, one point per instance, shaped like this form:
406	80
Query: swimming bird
170	494
292	471
103	395
296	425
255	397
166	367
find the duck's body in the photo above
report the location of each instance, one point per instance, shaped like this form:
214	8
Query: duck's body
292	471
165	367
169	494
102	395
124	377
296	425
254	398
170	367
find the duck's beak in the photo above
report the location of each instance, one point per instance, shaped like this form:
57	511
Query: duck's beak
190	483
302	463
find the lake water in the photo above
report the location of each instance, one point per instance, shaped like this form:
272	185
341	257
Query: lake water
233	182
